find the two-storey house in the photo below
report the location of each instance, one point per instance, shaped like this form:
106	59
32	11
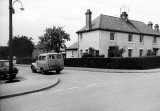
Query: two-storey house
105	32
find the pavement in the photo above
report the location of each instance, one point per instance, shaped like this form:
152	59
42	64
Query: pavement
32	84
29	83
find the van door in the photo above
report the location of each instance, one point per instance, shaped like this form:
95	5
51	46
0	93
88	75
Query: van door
59	60
51	60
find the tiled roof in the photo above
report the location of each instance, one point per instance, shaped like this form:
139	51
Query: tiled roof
73	46
105	22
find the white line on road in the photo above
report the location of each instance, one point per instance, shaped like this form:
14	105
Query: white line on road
104	83
91	84
57	90
73	87
36	93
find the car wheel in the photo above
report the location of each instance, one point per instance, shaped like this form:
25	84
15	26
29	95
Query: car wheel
58	71
42	71
14	76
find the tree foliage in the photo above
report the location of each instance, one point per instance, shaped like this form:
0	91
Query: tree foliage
92	53
150	53
117	52
53	39
4	52
22	46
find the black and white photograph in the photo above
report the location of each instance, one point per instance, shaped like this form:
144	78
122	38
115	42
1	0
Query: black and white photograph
79	55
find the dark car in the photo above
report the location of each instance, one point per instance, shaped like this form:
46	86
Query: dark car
4	70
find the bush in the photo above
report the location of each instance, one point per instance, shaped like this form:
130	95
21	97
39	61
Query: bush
25	60
115	63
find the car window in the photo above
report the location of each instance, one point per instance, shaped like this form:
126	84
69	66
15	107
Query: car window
1	64
6	63
42	58
58	56
51	56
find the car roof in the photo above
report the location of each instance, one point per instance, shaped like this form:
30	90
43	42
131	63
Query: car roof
4	60
45	54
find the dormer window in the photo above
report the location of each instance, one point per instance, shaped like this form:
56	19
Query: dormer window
112	36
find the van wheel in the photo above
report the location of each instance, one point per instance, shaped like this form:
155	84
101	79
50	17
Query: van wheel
42	71
58	71
33	69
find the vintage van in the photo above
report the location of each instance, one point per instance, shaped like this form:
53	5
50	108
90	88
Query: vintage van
48	62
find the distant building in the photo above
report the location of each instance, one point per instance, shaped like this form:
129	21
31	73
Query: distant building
105	32
37	51
72	51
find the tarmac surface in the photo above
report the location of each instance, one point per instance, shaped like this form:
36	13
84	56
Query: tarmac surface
31	84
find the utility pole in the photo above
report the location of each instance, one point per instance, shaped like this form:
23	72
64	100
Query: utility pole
11	12
10	42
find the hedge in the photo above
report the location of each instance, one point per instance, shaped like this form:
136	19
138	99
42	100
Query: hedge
25	60
115	63
107	63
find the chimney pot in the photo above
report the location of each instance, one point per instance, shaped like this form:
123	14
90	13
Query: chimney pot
156	27
150	24
124	16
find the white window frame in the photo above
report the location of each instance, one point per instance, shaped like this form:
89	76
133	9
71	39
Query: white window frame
155	40
141	39
130	35
112	38
140	52
131	52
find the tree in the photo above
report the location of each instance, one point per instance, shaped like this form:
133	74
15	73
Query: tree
22	46
150	53
92	53
4	52
116	52
53	39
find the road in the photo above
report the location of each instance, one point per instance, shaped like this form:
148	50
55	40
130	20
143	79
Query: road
92	91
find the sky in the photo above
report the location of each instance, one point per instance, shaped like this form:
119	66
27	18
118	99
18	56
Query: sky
70	14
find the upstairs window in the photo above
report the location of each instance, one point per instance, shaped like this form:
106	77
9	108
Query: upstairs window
81	37
86	50
130	38
155	40
112	36
141	39
81	51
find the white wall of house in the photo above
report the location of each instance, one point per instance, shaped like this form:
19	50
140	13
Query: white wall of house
100	40
88	39
72	54
104	42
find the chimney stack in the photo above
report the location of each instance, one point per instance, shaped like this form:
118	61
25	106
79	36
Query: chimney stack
150	24
156	27
124	16
88	19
